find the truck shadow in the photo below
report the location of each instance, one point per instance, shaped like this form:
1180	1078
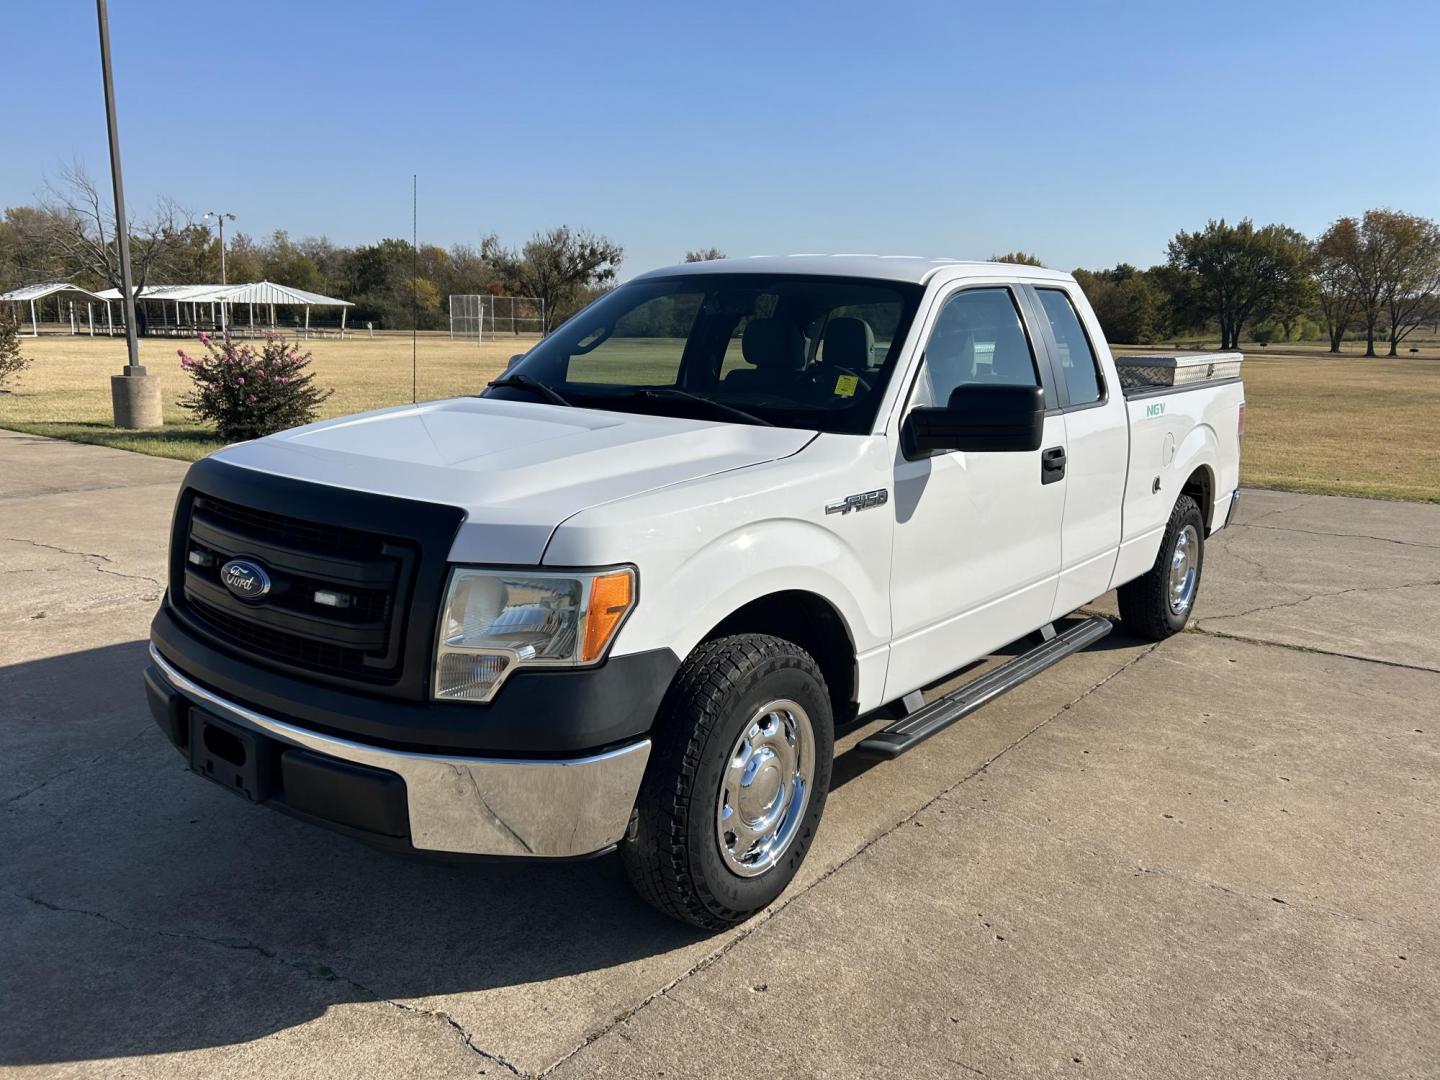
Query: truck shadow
147	911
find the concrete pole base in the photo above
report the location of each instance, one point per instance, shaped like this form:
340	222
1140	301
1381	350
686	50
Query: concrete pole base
137	401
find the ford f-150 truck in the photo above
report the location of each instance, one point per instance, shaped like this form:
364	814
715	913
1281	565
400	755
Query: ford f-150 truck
626	594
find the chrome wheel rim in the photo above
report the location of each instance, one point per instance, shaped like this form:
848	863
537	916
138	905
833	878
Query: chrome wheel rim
1184	570
765	788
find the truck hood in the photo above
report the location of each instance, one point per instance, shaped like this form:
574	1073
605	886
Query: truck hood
517	469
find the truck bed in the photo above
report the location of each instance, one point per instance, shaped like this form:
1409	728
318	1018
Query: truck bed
1171	429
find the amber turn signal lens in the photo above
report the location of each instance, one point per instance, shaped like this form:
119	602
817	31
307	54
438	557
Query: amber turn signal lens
611	596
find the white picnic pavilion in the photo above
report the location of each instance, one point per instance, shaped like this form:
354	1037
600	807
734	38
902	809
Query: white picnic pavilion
207	306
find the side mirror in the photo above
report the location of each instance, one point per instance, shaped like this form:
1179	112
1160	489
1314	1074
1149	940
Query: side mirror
514	360
979	418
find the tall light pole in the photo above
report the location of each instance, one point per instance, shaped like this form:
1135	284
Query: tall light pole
135	395
220	216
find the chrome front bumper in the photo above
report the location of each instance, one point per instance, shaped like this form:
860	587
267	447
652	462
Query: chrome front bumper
478	806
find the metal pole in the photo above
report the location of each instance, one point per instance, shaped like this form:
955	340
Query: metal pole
122	224
414	286
220	216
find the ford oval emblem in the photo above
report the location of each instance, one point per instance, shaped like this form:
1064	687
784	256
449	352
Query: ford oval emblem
247	580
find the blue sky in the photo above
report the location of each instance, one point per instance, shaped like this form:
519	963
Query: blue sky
1086	133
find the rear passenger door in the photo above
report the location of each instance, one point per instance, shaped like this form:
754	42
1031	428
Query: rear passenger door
977	535
1097	441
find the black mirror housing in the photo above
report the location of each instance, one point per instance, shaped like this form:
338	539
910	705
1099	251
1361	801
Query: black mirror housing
514	360
980	419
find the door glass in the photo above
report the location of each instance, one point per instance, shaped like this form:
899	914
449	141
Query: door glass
978	338
1077	359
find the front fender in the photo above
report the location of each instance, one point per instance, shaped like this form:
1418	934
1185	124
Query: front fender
751	561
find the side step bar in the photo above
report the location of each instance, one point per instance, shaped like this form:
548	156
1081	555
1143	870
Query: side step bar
912	730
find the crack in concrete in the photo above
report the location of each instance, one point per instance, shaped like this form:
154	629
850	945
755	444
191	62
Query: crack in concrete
88	555
42	493
1103	851
1281	509
1222	542
1323	532
108	755
770	913
1320	596
1196	628
316	970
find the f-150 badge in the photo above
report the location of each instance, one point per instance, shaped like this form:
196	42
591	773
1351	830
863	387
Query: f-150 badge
864	501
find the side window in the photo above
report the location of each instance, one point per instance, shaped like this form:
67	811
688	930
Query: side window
1077	359
978	338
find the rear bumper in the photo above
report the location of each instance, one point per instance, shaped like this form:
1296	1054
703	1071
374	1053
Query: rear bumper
1230	511
546	808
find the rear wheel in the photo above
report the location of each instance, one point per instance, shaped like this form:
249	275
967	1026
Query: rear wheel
1159	603
736	784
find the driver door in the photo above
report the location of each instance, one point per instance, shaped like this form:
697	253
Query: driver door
977	535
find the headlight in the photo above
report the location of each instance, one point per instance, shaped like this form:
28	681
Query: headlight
494	621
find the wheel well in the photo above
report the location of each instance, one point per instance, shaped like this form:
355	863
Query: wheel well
1201	487
810	622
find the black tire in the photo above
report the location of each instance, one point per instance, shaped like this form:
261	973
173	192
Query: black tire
672	854
1145	608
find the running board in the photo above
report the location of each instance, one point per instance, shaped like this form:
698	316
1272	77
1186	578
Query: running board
909	732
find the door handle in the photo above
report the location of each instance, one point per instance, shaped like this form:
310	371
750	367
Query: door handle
1052	464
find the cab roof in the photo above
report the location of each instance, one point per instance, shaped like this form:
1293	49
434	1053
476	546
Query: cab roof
915	269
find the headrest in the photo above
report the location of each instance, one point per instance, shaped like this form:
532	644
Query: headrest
773	344
848	343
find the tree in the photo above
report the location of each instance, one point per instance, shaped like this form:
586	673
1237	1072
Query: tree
1131	304
11	362
1395	267
80	229
1337	254
704	255
1022	258
26	255
1411	290
1236	273
558	266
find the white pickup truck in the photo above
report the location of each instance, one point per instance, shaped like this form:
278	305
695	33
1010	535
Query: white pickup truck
626	595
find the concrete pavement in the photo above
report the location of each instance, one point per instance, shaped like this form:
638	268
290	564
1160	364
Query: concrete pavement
1213	857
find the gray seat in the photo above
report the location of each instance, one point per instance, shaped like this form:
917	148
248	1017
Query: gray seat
774	349
848	344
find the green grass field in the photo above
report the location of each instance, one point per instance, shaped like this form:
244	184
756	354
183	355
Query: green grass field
1317	423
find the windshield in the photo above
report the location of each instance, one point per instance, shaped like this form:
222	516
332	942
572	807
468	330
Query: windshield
789	350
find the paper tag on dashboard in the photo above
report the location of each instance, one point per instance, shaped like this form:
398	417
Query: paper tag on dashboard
846	385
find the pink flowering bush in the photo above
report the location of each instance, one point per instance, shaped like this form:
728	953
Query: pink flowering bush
250	394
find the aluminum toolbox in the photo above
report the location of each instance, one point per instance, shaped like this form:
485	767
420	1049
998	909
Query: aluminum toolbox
1180	369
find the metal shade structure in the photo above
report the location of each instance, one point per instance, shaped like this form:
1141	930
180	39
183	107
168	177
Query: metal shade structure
33	294
267	294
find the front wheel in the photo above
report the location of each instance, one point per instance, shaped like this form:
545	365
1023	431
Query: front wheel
736	783
1159	603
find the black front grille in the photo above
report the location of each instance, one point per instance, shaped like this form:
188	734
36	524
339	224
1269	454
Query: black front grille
366	577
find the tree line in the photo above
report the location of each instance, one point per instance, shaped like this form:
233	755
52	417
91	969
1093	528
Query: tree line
1376	276
69	235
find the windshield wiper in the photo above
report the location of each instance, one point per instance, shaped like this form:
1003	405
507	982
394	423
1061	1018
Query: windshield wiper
535	386
718	406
